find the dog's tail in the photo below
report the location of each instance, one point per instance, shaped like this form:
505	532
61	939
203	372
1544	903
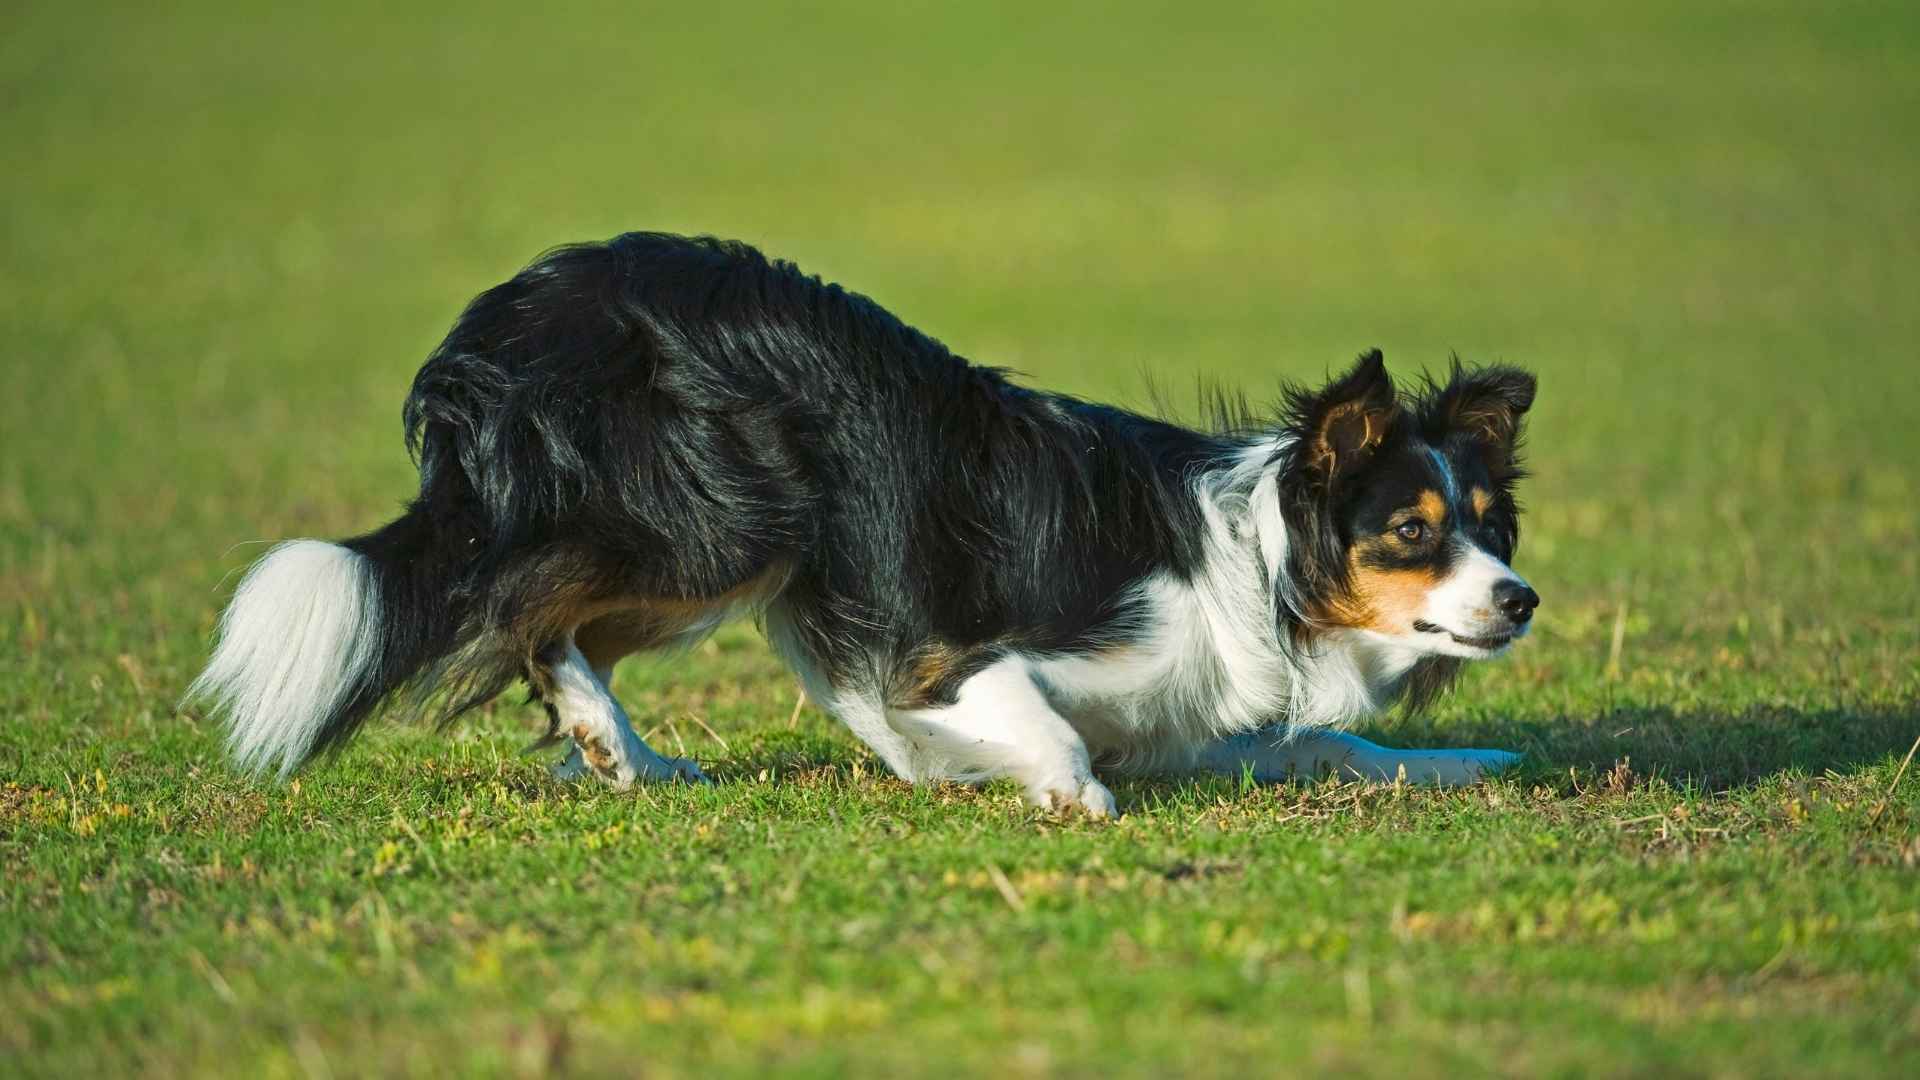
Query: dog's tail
319	634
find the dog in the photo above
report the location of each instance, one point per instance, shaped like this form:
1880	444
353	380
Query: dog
629	443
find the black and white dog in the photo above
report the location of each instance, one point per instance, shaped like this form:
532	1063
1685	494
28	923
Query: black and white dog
631	442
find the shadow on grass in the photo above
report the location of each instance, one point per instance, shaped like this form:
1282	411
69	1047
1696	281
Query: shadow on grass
1711	751
1714	751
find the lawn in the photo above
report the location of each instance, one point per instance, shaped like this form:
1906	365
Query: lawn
231	235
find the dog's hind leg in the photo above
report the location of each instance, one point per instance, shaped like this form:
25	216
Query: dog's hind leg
601	659
1002	725
604	742
603	642
1281	753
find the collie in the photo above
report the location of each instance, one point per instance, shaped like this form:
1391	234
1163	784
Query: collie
632	442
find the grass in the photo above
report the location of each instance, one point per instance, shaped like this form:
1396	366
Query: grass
230	235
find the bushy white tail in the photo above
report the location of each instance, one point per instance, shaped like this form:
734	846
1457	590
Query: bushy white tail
299	641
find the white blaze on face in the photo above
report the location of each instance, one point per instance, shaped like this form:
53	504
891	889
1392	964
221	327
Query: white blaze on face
1462	605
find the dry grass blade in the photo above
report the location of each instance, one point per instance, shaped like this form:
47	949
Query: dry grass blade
704	726
1619	642
1007	892
674	730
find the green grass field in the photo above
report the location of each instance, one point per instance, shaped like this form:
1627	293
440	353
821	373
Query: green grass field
230	237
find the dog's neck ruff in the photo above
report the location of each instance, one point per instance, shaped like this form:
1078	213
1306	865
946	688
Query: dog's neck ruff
1324	678
1210	654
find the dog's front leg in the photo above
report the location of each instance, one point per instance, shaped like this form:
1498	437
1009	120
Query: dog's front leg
1002	725
1282	753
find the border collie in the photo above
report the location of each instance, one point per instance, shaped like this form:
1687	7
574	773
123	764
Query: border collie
631	442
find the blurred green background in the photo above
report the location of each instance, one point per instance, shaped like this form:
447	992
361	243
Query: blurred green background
232	232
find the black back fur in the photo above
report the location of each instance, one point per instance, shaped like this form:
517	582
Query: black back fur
678	415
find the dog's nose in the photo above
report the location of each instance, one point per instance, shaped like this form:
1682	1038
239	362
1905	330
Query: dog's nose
1515	600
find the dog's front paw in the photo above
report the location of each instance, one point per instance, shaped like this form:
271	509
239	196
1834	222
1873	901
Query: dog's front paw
1482	764
1090	798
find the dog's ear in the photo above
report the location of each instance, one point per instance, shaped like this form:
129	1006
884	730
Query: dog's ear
1487	406
1339	426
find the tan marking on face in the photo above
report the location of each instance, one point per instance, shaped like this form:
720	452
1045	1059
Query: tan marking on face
1432	506
1482	500
1394	598
1384	600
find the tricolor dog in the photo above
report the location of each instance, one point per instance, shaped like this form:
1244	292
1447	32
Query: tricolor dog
631	442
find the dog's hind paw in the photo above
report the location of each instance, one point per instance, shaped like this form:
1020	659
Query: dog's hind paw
572	768
658	770
663	770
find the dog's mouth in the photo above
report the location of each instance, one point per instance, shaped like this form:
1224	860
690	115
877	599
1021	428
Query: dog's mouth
1491	643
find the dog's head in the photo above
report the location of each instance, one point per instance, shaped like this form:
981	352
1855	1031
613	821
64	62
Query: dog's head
1399	509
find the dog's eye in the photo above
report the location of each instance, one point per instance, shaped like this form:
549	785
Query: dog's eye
1411	531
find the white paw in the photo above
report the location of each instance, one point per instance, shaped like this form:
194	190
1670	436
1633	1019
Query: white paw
1097	801
1473	766
1091	798
1493	762
573	768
